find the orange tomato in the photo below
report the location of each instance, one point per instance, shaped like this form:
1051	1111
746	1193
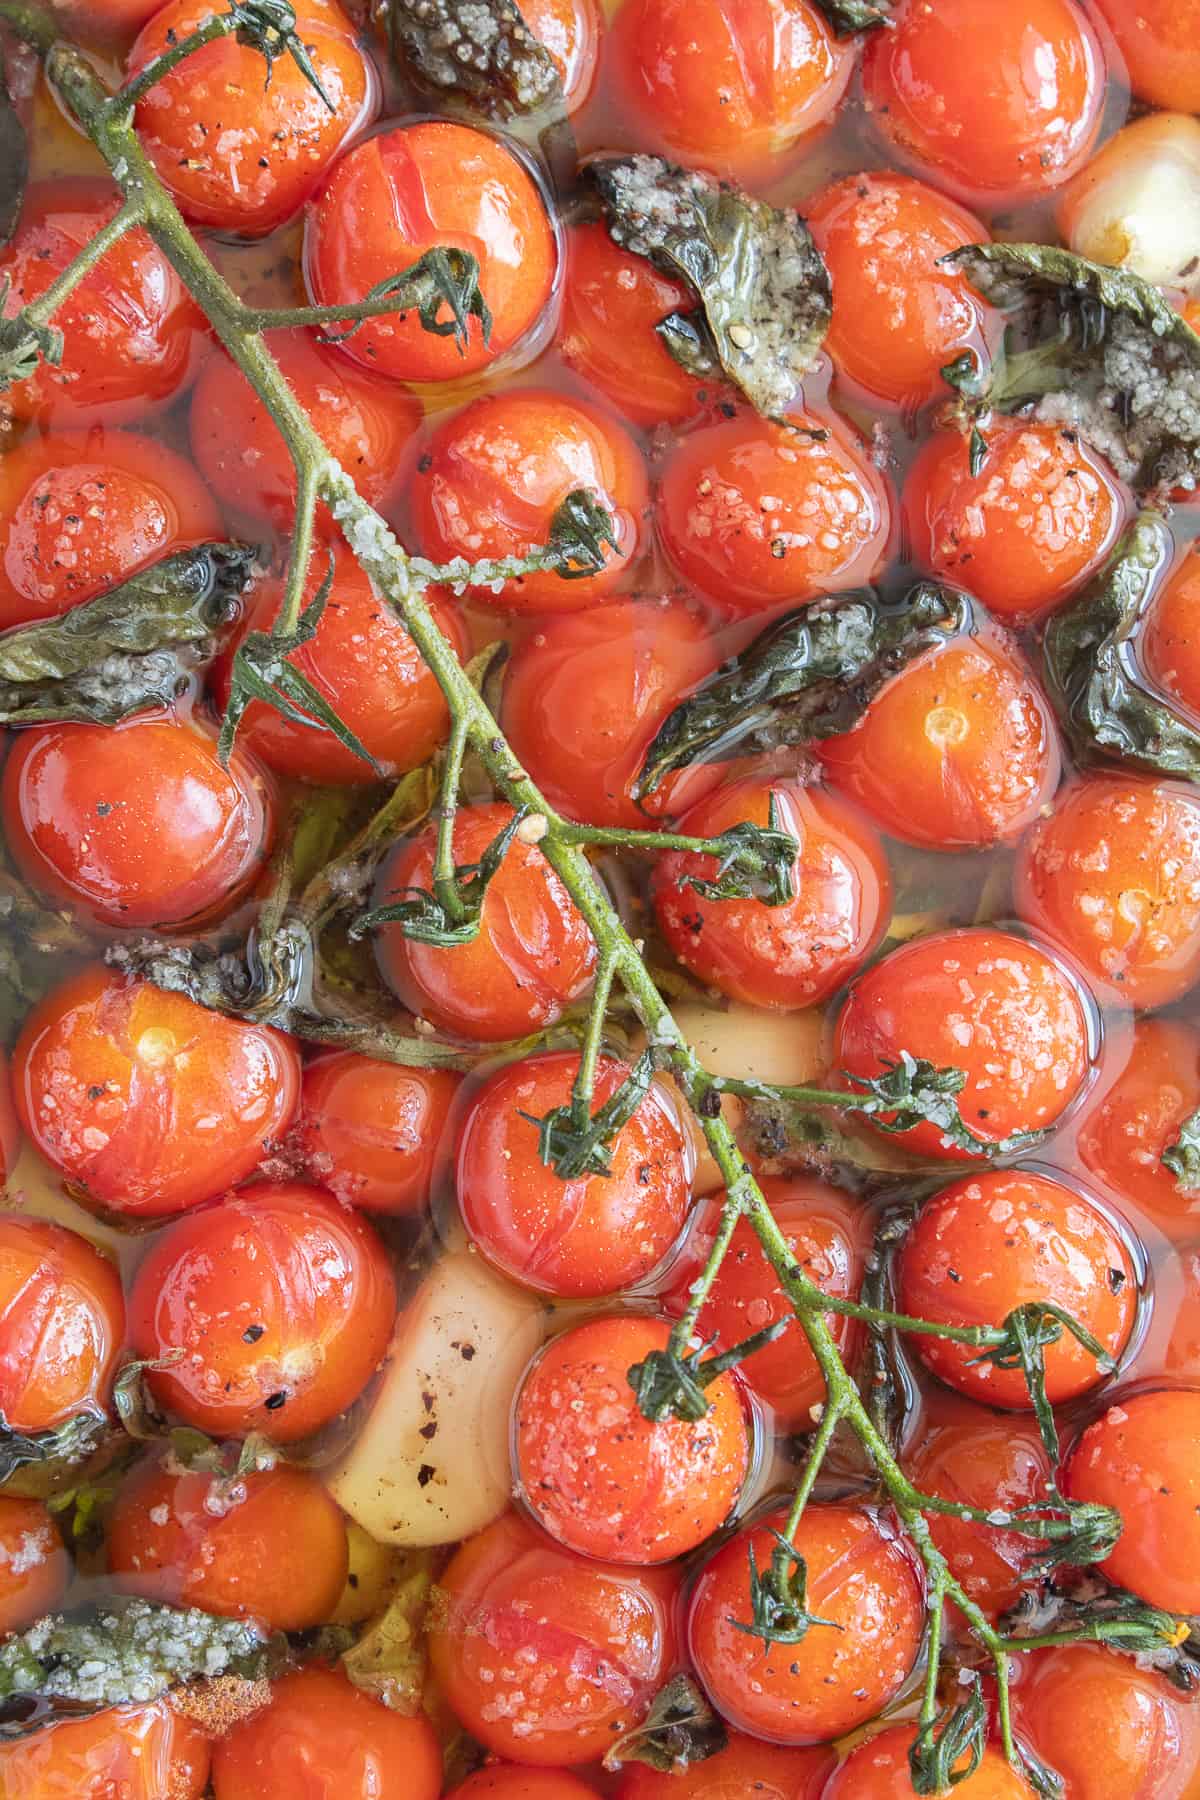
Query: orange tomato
571	32
34	1567
1169	645
146	1752
1159	41
62	1324
745	1766
373	1133
1182	1354
1128	1125
995	1465
510	1781
879	1770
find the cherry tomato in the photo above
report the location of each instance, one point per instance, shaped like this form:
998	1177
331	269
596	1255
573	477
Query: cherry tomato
744	1767
1129	1124
365	664
826	1237
1159	42
533	954
497	472
599	1476
136	824
725	85
510	1781
1110	1728
270	1545
1113	875
80	512
132	335
879	1770
283	1303
372	1133
755	514
898	316
995	1465
321	1738
570	31
612	301
1181	1356
778	956
591	1235
363	424
584	697
106	19
10	1129
145	1100
148	1752
33	1564
547	1657
1001	1240
62	1324
432	185
1027	530
1139	1456
240	152
1169	645
989	100
861	1578
983	1001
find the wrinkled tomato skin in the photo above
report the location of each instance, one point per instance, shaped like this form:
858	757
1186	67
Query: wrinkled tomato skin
62	1324
879	1770
283	1257
571	31
374	1133
1169	644
34	1566
1126	1127
421	187
991	1464
145	1100
745	1767
1159	42
148	1752
548	1657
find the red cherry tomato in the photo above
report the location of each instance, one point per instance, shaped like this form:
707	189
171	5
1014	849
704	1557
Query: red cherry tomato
533	954
62	1324
1029	529
238	152
509	1781
591	1235
144	1099
826	1237
372	1133
132	335
365	664
270	1545
106	19
1159	42
496	473
1140	1456
136	824
33	1564
1113	875
570	31
146	1752
1169	645
898	316
321	1738
990	100
983	1001
10	1130
778	956
1129	1124
80	512
756	514
283	1303
547	1657
998	1241
600	1477
612	301
745	1767
861	1578
432	185
726	85
879	1770
364	424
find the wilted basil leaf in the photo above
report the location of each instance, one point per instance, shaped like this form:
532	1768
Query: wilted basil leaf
34	939
848	17
69	1442
483	54
680	1728
1182	1155
14	158
764	293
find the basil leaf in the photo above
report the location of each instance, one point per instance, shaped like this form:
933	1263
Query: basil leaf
483	54
1182	1155
764	292
849	17
14	158
808	675
680	1728
34	939
71	1442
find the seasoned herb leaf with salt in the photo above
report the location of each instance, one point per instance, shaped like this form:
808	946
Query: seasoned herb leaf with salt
680	1728
764	292
849	17
1182	1155
14	158
478	51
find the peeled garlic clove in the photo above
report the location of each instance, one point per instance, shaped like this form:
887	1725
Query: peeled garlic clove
1136	206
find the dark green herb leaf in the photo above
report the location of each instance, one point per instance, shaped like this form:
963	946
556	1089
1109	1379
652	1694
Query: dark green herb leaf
1046	1782
681	1728
23	344
579	531
779	1598
483	54
450	917
34	939
941	1744
764	293
1182	1156
753	863
1027	1331
668	1386
573	1142
849	17
269	26
71	1442
1116	1618
443	278
882	1379
14	160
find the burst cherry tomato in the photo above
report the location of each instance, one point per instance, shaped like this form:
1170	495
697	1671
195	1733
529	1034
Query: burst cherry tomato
544	1656
1130	1123
145	1100
879	1770
533	954
989	99
755	514
33	1564
372	1133
998	1241
62	1324
146	1752
570	30
321	1738
591	1235
1169	644
1159	41
861	1578
778	956
509	1781
269	1545
136	824
240	152
1113	875
283	1303
1025	531
496	473
600	1477
745	1767
79	512
432	185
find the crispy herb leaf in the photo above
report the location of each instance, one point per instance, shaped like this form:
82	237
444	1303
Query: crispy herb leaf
1182	1156
483	54
764	293
808	675
14	158
681	1728
849	17
389	1660
941	1744
68	1443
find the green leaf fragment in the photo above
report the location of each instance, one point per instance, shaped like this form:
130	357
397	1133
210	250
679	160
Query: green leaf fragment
71	1442
680	1728
849	17
14	165
483	54
1182	1155
668	1386
912	1092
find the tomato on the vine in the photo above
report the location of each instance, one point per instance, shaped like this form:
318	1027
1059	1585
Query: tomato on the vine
374	1133
746	1766
62	1324
879	1769
1127	1126
34	1566
138	1752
